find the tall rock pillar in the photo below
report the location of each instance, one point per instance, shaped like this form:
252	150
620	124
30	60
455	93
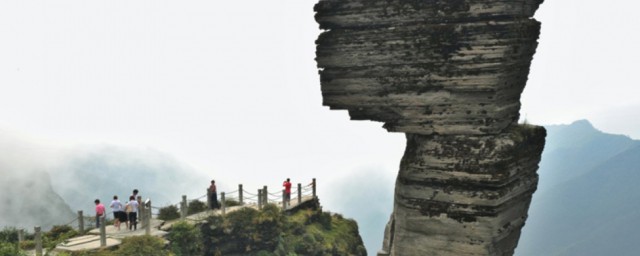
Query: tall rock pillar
449	74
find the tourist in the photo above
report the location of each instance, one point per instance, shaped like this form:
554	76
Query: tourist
213	195
287	192
119	215
135	193
99	211
132	212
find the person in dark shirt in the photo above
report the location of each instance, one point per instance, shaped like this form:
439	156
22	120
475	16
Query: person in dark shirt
213	194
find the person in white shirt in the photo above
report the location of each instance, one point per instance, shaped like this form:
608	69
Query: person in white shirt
118	213
132	210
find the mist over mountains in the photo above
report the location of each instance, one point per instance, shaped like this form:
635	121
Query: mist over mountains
29	201
587	200
27	197
104	171
46	186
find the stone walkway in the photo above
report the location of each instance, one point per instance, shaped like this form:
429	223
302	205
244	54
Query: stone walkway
91	241
159	228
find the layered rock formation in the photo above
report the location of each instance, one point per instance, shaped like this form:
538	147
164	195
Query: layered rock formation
449	74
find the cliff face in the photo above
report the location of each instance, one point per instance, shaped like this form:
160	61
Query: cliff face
449	74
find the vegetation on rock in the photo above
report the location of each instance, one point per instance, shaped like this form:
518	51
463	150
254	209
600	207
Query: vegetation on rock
196	206
245	231
271	232
185	239
10	249
169	213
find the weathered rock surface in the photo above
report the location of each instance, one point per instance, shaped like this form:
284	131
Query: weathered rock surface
465	195
446	67
449	74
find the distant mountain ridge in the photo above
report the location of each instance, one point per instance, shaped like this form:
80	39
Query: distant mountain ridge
27	198
572	150
104	171
587	201
30	202
45	186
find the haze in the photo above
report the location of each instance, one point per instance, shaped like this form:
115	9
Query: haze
231	88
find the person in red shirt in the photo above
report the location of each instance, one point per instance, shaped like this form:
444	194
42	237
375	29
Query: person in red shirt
99	211
287	191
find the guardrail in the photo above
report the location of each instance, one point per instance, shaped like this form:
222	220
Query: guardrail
242	196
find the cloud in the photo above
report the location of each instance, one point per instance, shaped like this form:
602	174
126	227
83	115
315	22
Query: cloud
37	179
27	197
102	171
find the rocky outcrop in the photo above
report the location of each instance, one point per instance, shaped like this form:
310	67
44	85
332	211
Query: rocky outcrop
449	74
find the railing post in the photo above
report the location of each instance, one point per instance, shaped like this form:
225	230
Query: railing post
259	198
103	231
142	214
80	222
147	213
265	194
183	207
38	240
299	193
20	235
284	200
209	202
314	187
224	203
240	194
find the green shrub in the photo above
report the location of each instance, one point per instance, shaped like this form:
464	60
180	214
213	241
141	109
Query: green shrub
58	232
212	234
142	246
238	226
196	206
10	249
231	202
264	253
99	252
185	239
269	226
57	235
27	245
169	213
9	235
325	220
320	217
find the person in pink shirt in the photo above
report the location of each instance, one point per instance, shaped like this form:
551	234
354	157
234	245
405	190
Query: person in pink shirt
99	211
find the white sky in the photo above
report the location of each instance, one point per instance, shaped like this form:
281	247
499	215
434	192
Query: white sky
586	66
231	87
